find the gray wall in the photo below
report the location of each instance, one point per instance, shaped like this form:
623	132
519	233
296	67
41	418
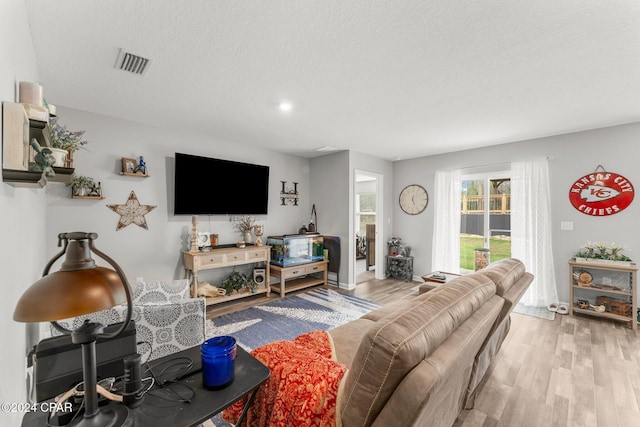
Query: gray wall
156	253
571	157
329	175
22	217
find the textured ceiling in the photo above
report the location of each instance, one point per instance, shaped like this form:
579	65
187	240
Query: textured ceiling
395	79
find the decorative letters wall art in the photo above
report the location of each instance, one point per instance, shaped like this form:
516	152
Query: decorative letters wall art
289	195
601	193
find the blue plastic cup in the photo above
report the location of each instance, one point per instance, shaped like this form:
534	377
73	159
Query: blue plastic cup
218	362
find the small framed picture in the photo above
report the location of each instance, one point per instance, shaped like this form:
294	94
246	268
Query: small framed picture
128	165
204	239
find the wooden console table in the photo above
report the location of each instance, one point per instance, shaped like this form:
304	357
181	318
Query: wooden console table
299	276
227	257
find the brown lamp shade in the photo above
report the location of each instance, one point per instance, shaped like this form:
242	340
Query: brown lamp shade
80	287
66	294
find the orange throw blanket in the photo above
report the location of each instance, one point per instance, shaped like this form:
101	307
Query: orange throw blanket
303	386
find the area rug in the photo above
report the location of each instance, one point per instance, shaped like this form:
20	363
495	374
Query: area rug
286	318
539	312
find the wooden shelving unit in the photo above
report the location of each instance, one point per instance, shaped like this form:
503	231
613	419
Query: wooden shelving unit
299	276
625	289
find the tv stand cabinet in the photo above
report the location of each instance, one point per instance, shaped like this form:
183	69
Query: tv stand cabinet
299	276
227	257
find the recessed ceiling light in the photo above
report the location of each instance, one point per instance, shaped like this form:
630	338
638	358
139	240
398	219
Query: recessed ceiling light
285	106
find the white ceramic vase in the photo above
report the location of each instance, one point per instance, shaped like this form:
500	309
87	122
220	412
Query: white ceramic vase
80	191
60	155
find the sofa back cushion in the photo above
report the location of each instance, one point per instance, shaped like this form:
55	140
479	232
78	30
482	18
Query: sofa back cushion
511	281
400	341
504	273
161	291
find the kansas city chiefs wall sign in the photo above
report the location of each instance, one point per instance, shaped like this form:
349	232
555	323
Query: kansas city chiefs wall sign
601	194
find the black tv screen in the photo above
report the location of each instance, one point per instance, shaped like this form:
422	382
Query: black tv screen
207	186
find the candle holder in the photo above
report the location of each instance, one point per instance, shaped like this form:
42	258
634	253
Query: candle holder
194	234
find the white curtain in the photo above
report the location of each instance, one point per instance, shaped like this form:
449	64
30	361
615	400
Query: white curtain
445	251
531	229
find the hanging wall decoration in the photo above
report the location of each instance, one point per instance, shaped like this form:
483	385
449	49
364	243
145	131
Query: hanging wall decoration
289	196
601	193
132	212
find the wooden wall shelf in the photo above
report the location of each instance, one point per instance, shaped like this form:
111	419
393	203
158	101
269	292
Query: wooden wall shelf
19	178
140	175
17	132
88	197
62	175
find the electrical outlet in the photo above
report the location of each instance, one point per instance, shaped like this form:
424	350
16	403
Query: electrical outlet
566	225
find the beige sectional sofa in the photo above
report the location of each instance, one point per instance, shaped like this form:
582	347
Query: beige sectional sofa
419	362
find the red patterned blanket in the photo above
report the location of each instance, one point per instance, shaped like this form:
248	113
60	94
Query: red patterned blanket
303	386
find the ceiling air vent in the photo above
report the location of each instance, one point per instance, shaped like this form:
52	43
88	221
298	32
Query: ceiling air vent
132	63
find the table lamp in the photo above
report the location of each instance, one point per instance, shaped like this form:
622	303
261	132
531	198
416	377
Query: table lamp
81	287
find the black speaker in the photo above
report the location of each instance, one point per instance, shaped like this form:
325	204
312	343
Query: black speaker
259	275
332	244
132	396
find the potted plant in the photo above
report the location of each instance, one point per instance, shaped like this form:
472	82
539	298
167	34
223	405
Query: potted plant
81	185
237	281
244	225
64	142
601	252
394	246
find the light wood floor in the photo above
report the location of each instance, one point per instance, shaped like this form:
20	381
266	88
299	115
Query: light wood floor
568	372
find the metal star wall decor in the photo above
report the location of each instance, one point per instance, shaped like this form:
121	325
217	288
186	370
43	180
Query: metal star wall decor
132	212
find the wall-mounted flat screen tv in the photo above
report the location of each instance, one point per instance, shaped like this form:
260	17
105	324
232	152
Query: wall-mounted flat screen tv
208	186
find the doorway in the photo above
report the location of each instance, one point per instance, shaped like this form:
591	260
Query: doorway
485	220
366	225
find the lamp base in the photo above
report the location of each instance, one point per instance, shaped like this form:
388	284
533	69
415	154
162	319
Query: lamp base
109	416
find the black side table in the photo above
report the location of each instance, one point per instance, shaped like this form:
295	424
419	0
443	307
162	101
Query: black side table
399	267
162	406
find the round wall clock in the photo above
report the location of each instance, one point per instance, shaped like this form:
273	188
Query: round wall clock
414	199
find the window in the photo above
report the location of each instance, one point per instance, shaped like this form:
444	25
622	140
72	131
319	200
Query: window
365	211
